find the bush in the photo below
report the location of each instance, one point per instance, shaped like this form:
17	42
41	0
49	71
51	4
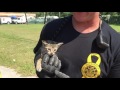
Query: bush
112	20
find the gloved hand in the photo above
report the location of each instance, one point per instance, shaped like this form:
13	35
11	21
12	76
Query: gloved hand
50	64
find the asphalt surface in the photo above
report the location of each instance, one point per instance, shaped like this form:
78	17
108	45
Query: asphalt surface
11	73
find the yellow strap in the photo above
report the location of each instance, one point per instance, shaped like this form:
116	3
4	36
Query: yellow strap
89	59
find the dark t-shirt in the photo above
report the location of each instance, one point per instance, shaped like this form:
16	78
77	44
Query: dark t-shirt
80	55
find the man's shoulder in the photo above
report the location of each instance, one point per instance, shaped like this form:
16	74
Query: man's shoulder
51	26
107	29
56	22
112	35
54	25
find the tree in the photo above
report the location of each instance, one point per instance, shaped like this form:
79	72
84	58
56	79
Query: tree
111	13
60	14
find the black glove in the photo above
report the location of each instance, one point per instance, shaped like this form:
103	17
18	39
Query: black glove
61	75
50	64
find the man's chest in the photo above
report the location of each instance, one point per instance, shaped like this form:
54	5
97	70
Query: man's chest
83	59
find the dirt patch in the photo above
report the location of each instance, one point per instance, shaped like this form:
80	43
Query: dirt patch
11	73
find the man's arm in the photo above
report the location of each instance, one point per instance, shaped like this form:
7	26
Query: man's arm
115	49
115	69
42	37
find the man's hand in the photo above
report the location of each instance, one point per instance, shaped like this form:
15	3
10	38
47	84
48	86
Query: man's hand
50	64
61	75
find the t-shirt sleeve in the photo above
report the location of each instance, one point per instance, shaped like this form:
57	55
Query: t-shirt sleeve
115	69
47	32
42	37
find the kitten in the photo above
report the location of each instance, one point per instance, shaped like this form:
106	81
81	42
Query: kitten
48	47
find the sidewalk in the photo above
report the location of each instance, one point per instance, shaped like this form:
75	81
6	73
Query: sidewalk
10	73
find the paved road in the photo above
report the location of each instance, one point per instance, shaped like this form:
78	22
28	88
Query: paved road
10	73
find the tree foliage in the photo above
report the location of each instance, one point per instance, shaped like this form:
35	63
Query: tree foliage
61	14
111	13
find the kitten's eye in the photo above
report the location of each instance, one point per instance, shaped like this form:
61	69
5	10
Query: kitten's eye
48	49
55	50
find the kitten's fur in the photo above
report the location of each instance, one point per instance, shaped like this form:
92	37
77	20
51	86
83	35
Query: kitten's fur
49	47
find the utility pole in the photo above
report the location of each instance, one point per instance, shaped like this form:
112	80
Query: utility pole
26	18
45	15
59	14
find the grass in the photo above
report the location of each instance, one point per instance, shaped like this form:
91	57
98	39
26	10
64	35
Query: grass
16	46
116	27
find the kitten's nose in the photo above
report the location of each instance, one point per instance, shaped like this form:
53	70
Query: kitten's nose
50	54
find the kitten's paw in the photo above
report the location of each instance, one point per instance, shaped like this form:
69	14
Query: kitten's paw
38	66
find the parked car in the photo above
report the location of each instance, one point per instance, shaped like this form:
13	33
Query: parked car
5	20
19	20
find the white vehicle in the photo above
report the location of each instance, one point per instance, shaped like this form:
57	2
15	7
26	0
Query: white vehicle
5	20
19	20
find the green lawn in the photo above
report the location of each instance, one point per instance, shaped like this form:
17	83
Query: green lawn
116	27
16	46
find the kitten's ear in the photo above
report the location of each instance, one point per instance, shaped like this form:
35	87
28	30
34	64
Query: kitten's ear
59	44
44	42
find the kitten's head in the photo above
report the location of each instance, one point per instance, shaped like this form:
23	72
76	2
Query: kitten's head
51	47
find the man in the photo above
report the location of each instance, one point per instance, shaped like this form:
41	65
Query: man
91	47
